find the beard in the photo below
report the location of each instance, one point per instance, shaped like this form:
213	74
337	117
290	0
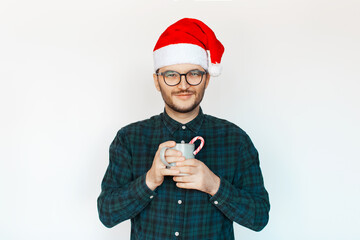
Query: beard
177	107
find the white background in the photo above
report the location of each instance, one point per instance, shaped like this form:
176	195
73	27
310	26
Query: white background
73	72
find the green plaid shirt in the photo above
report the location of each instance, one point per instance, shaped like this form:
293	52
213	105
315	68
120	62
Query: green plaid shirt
170	212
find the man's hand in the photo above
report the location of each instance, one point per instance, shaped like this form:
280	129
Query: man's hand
200	176
155	176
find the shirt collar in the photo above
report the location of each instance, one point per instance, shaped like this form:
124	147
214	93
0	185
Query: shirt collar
173	125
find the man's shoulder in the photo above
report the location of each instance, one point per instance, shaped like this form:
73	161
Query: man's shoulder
148	123
224	124
226	128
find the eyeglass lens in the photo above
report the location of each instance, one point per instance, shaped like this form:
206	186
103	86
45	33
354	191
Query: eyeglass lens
193	77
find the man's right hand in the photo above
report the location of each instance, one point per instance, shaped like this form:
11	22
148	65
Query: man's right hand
155	176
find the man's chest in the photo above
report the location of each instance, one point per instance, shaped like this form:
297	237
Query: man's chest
220	152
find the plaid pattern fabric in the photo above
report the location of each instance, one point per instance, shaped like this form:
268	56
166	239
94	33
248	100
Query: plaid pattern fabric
170	212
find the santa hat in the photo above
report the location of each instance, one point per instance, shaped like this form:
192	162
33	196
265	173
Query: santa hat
189	41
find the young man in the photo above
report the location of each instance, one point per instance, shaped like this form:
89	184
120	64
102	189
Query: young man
224	183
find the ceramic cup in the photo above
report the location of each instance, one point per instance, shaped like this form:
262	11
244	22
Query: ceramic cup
186	149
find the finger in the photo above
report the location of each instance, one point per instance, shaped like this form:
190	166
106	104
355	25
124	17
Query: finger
189	178
174	159
186	169
185	185
167	144
172	152
169	172
188	162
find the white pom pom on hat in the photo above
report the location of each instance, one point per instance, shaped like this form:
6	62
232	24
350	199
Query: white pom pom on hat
189	41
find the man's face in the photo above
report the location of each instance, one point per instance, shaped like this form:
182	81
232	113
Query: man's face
183	97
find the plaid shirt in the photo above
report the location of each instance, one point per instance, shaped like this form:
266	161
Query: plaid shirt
170	212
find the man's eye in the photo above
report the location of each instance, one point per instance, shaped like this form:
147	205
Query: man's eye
170	74
195	73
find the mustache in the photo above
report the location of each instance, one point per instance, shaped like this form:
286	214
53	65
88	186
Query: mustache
183	92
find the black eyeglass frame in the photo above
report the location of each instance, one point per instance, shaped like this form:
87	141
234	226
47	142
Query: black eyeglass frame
182	74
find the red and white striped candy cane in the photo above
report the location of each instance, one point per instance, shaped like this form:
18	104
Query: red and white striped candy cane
201	144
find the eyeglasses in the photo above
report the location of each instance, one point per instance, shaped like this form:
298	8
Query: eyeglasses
173	78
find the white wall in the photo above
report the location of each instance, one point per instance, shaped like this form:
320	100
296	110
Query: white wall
74	72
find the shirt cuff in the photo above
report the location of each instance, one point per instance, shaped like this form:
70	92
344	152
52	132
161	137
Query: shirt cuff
142	190
223	193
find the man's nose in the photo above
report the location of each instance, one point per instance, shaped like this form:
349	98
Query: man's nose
183	83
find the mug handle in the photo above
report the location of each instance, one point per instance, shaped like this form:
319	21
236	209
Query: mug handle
162	158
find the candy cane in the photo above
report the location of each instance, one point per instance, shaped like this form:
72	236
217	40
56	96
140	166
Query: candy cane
201	144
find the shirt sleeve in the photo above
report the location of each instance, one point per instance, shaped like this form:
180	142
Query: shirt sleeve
245	201
121	197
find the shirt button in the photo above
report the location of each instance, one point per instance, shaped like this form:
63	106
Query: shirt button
183	127
151	197
216	202
177	233
179	202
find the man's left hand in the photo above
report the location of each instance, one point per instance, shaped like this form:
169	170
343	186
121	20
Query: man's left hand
200	176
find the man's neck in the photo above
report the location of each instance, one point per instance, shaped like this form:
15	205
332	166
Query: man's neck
182	117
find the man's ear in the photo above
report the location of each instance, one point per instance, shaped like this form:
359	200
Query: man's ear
207	80
156	82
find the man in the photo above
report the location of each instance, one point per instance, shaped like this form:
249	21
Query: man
224	183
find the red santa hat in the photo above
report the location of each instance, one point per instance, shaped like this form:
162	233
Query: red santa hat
189	41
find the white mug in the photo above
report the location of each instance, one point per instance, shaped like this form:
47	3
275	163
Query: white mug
186	149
